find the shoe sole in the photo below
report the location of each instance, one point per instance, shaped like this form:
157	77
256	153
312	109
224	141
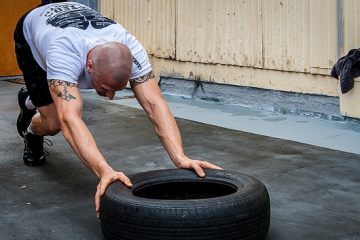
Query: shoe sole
35	164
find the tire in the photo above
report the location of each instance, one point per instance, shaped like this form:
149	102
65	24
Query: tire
176	204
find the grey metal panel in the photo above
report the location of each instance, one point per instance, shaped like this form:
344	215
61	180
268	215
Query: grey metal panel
89	3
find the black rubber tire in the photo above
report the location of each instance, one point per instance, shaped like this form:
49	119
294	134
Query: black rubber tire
241	211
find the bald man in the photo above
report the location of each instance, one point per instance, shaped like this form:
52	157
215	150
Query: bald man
63	47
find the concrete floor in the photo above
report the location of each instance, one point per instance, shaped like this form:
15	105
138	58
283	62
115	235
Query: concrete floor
314	191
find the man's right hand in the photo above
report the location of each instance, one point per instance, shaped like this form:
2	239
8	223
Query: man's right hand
106	179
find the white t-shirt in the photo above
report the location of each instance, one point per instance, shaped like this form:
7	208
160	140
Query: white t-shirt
61	35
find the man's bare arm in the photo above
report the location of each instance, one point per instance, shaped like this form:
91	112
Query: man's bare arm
150	98
68	104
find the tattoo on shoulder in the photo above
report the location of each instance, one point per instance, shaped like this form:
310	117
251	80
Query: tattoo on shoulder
63	92
142	79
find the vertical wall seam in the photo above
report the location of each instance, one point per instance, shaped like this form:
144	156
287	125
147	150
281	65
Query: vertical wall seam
113	9
262	33
340	28
176	30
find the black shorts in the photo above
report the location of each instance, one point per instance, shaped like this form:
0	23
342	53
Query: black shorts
34	76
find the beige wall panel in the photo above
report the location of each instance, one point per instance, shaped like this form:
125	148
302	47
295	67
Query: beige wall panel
351	24
349	102
225	32
151	21
107	8
323	35
247	76
286	35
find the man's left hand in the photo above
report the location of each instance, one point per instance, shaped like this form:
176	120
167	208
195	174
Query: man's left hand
197	166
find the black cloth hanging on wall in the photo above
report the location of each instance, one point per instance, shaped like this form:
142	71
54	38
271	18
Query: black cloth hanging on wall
346	69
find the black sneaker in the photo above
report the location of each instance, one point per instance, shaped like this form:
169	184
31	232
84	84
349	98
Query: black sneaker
24	118
34	154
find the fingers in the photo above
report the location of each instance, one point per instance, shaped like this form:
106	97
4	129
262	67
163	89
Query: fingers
210	165
199	166
127	182
199	171
97	201
105	182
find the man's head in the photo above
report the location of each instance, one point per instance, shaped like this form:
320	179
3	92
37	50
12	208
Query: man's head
110	67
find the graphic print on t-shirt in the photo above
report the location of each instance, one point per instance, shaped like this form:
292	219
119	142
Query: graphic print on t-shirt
75	15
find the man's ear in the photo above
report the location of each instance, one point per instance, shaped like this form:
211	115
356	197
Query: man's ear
90	66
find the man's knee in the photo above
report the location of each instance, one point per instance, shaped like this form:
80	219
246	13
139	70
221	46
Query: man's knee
54	130
49	120
53	127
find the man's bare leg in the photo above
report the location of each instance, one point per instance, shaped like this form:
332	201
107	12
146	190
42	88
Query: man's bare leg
33	127
46	121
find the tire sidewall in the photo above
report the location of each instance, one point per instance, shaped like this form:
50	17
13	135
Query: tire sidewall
241	204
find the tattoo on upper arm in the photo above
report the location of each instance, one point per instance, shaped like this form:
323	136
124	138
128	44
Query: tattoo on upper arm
63	93
142	79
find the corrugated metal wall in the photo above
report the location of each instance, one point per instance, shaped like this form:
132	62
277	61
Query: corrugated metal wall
225	32
288	45
288	35
286	42
349	102
151	21
351	24
323	35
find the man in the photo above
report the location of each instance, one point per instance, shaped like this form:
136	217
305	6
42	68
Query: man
62	47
